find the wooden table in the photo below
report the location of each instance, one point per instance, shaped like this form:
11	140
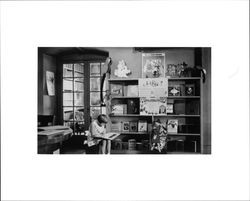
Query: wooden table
50	138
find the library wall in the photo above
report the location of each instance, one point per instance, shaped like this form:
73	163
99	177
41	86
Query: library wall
173	56
206	63
46	103
133	59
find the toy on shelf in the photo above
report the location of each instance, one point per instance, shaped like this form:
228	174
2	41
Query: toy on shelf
122	70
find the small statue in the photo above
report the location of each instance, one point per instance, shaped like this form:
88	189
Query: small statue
122	70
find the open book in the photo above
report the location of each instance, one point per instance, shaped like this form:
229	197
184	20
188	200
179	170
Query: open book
108	136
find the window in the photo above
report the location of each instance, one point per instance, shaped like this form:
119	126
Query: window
73	96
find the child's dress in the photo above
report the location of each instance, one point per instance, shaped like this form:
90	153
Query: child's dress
159	137
95	131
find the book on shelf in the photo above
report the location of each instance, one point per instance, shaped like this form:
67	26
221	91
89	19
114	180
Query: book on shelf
149	127
172	126
116	89
116	126
117	144
174	90
171	70
132	106
189	128
133	126
131	91
193	107
145	144
170	108
179	107
142	126
189	90
125	126
131	144
119	109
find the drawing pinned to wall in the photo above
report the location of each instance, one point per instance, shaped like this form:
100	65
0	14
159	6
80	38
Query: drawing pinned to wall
153	65
153	88
50	80
153	106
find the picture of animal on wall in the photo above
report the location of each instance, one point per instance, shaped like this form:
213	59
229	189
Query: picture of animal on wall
153	65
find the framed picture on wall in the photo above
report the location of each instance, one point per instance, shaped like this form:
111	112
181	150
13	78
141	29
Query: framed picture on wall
153	65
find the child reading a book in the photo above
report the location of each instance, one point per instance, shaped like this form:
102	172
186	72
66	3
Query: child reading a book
97	129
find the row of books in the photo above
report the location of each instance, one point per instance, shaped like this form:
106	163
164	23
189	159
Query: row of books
131	126
132	90
174	145
124	90
173	127
131	144
156	107
131	107
181	90
144	107
142	126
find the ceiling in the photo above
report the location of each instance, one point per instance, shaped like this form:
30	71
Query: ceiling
61	51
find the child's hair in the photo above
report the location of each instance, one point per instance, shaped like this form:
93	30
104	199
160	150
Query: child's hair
102	118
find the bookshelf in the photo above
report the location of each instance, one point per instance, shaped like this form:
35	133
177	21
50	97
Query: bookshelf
187	110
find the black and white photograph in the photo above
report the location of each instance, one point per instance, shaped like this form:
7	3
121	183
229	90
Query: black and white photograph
187	92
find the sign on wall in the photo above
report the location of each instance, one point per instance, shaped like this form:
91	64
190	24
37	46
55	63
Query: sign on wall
153	88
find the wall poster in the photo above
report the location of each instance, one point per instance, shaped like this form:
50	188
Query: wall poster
50	80
153	65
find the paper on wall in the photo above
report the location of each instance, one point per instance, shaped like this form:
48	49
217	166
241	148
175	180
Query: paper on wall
50	80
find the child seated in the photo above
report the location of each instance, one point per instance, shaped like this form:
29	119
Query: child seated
97	129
